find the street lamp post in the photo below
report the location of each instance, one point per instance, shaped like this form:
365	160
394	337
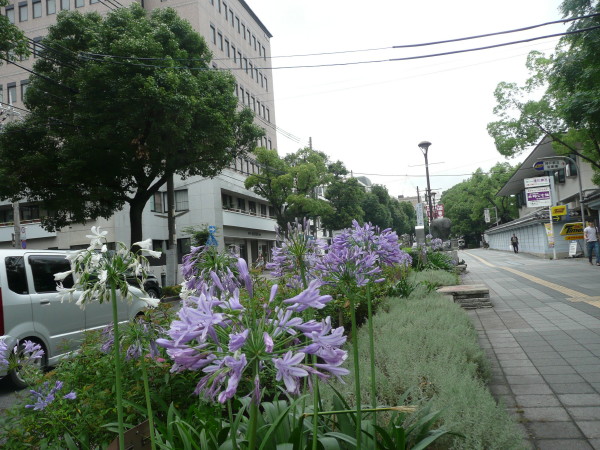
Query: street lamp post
424	146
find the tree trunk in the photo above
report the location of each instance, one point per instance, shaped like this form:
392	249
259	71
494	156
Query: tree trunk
136	208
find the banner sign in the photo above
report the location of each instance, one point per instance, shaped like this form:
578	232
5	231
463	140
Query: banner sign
538	196
536	181
560	210
550	234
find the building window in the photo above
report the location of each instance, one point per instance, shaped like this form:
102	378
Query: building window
264	54
24	86
244	31
65	5
51	7
234	55
181	200
227	201
227	51
241	204
246	64
263	209
213	34
254	42
220	40
94	1
23	12
268	116
226	10
251	70
79	3
36	7
231	17
157	204
252	207
249	36
12	93
10	13
237	22
259	49
266	85
1	101
240	60
243	95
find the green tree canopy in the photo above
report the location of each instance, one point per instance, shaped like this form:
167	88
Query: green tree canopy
345	196
464	203
561	98
105	131
13	43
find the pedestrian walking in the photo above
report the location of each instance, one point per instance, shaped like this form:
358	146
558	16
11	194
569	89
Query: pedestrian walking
590	234
514	241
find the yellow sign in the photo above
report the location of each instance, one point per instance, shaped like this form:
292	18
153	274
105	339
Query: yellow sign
560	210
573	237
571	229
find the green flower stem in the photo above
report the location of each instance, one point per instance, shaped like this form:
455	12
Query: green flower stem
148	402
372	356
253	425
356	371
372	351
119	389
315	406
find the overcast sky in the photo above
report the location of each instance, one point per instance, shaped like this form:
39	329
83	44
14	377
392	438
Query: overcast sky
372	116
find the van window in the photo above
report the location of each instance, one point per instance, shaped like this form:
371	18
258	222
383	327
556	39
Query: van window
15	274
43	268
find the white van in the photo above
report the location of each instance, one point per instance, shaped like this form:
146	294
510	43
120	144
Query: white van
31	309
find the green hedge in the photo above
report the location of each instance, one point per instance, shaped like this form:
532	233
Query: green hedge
426	349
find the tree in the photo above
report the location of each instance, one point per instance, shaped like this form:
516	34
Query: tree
105	131
13	43
345	197
465	202
568	110
289	183
376	207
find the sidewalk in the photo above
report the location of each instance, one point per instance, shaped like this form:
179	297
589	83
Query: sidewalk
543	342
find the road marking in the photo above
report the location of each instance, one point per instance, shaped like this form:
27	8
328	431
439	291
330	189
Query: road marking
572	295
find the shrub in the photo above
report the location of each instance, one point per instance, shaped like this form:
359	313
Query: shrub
434	357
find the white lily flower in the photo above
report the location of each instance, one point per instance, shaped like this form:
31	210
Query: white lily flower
144	245
97	238
154	253
104	249
60	276
152	302
103	276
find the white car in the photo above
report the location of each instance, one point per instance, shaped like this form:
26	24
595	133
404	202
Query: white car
31	309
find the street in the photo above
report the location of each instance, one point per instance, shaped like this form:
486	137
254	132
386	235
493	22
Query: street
542	337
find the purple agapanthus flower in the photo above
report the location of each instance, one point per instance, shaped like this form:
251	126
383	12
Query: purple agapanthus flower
211	334
46	395
289	370
297	255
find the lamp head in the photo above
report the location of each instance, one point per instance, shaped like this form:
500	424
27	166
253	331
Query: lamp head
424	146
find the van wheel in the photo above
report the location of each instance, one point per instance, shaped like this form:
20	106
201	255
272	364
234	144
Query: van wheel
152	293
19	377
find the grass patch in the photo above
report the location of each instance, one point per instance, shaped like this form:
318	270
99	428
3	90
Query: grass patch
426	351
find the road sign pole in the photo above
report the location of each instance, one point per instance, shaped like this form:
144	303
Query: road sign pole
552	196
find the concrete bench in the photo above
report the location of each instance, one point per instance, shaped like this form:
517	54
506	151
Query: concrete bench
469	296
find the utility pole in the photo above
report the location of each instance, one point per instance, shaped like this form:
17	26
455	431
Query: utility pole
171	252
